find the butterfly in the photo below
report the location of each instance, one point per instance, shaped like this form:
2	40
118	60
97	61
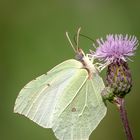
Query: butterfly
67	98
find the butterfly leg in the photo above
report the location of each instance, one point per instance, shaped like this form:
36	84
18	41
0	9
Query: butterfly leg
91	57
101	66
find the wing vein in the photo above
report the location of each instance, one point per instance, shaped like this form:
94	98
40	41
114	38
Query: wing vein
73	97
95	91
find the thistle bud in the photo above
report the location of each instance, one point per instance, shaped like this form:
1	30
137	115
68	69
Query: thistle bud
119	78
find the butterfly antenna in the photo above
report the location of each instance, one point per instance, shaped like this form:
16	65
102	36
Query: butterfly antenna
81	35
77	39
67	35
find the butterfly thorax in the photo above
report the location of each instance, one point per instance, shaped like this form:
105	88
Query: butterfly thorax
86	61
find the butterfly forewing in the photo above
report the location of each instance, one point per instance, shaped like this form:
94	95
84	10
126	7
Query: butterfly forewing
39	98
71	63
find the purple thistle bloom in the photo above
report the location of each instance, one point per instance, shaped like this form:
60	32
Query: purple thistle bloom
116	47
115	50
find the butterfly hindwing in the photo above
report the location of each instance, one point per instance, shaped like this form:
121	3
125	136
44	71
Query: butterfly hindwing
83	113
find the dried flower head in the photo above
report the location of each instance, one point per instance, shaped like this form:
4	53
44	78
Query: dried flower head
116	47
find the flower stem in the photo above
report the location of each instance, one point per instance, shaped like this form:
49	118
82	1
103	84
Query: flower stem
123	114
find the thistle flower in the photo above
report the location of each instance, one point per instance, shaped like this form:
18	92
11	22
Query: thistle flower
116	50
116	47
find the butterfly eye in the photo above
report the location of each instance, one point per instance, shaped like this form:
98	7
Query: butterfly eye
79	55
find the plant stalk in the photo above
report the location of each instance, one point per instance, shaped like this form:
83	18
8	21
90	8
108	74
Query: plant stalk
123	114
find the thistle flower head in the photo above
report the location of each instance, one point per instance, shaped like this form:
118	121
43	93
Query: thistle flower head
116	47
115	50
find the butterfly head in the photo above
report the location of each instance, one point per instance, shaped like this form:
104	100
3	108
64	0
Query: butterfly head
79	54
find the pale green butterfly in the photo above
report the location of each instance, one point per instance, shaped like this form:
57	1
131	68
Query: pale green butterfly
67	99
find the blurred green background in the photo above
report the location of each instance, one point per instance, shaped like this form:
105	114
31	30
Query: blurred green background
32	41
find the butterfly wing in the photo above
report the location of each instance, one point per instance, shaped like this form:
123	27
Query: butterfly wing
39	98
64	100
83	113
